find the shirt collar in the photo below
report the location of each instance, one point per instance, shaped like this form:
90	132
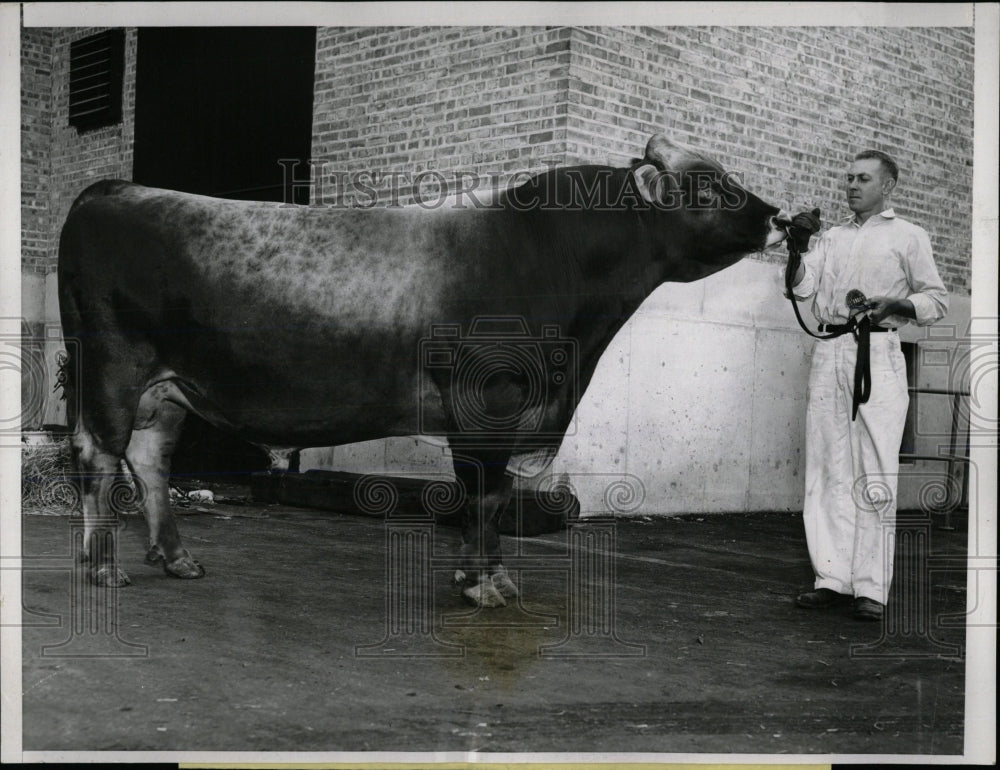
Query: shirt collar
852	219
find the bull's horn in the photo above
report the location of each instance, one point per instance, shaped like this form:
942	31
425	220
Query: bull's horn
665	153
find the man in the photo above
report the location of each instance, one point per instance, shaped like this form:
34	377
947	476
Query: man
852	464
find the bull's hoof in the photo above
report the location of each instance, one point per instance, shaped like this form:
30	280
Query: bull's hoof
502	582
484	595
185	567
154	557
109	576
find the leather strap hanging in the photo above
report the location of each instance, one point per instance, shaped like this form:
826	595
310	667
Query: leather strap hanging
858	326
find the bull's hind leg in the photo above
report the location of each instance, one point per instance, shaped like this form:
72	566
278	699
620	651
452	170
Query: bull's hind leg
100	472
157	428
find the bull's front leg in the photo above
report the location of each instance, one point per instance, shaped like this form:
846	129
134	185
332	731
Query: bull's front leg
488	489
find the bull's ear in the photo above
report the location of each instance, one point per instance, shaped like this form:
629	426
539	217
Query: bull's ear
648	182
655	186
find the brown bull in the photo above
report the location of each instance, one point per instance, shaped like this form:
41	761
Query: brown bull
305	326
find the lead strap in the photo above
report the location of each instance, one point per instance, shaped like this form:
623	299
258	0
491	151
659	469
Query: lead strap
861	331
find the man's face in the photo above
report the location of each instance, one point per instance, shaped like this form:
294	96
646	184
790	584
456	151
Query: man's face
867	186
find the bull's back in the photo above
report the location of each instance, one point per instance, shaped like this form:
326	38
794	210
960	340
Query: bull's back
258	308
348	264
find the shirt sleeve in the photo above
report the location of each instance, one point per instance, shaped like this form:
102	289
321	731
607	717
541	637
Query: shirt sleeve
928	294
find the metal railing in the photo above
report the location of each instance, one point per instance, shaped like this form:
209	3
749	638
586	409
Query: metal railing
951	457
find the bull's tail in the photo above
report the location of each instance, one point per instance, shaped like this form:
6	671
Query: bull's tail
69	363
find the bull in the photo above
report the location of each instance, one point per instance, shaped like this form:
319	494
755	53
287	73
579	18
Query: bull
298	326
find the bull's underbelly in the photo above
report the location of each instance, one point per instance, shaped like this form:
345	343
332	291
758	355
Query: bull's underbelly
278	421
318	385
280	417
347	405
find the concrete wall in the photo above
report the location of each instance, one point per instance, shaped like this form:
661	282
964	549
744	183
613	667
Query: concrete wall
714	418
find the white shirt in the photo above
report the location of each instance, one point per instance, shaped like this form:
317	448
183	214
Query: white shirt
885	257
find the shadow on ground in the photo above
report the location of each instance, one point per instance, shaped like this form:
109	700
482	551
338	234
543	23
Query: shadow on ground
297	640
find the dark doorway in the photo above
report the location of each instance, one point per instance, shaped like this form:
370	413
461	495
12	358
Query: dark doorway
216	109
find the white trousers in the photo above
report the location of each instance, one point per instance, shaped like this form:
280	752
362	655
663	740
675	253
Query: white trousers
852	467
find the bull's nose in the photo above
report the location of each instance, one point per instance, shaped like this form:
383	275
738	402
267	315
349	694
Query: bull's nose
777	232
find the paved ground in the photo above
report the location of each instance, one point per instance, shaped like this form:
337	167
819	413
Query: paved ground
264	652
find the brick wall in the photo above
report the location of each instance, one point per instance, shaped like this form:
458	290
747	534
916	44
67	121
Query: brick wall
36	143
57	161
449	99
788	108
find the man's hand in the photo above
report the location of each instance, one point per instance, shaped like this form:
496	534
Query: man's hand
799	228
803	226
882	307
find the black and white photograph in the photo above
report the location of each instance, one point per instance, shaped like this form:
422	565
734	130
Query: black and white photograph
499	383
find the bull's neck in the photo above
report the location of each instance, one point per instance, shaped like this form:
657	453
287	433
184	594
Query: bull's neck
625	260
610	270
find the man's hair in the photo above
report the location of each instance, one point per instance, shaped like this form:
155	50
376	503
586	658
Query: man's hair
887	163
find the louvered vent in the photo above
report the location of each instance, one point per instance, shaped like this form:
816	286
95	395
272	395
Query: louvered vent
96	64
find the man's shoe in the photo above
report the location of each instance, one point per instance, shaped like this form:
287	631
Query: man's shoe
820	599
867	609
